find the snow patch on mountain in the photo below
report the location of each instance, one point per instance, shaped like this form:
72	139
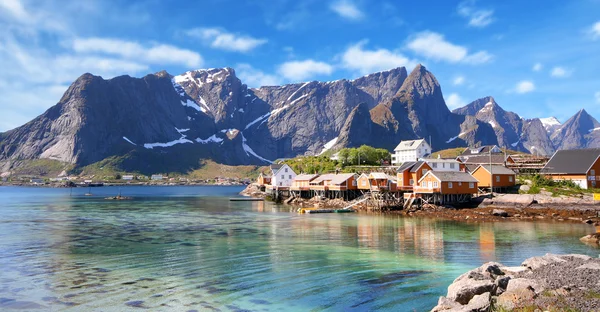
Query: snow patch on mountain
329	145
249	150
128	140
182	140
592	130
213	138
550	123
493	124
456	137
486	107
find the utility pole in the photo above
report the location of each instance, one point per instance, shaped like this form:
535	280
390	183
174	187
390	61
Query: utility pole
491	176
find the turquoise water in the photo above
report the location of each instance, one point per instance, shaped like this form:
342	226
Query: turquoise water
189	248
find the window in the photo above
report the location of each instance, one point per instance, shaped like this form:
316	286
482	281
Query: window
471	185
452	166
424	184
449	184
285	169
497	178
280	183
443	165
429	184
290	176
593	172
424	171
434	165
353	182
435	184
411	182
510	178
282	177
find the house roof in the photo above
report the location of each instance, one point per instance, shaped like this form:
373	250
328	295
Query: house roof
571	161
471	167
378	176
497	169
451	176
440	160
483	159
477	150
275	167
406	166
323	177
416	166
265	175
409	145
341	178
305	177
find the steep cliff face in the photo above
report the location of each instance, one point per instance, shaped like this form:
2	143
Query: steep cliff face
580	131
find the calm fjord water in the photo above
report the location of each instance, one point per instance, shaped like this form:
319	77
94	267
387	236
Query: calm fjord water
189	248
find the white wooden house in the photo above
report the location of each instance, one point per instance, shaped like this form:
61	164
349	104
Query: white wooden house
410	151
282	175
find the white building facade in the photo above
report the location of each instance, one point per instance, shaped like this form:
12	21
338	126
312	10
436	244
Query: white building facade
443	164
282	176
410	151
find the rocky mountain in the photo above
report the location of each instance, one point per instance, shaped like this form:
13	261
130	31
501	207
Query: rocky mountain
580	131
165	123
550	124
511	130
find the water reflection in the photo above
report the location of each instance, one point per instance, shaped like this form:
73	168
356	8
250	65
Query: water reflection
202	252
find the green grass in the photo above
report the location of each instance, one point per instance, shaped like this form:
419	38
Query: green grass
40	167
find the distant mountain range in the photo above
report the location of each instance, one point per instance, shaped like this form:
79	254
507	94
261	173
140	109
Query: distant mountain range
165	123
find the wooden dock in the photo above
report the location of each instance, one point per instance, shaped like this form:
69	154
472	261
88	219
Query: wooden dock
246	199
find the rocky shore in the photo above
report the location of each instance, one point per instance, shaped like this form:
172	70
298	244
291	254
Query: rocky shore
548	283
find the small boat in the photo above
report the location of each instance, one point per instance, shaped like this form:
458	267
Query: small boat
246	199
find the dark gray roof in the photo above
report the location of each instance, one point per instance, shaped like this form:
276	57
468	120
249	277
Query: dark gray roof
276	167
571	161
497	169
452	176
416	166
406	165
471	167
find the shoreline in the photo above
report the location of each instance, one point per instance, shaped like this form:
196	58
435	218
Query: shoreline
501	208
550	282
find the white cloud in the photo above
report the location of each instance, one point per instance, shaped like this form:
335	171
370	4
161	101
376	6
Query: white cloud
15	9
368	61
524	86
458	80
597	96
221	39
156	54
595	30
347	9
560	72
302	70
455	101
476	17
433	45
537	67
256	78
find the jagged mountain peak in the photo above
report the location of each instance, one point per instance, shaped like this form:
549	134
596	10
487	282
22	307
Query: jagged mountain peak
474	107
420	81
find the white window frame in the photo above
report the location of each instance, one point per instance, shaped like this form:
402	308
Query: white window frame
510	178
471	185
449	184
497	178
424	184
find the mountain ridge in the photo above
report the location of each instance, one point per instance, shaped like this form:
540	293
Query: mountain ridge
212	114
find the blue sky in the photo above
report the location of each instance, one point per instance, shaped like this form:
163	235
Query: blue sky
537	58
